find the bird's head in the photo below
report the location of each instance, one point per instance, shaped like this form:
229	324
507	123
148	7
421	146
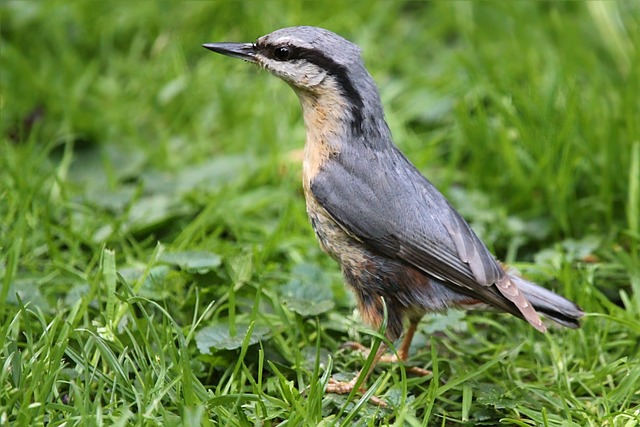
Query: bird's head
327	73
307	58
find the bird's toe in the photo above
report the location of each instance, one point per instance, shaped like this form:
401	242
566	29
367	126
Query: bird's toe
342	387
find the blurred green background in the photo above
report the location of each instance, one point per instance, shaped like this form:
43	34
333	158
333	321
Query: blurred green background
151	211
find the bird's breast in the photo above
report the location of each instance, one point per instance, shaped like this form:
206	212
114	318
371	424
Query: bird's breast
332	238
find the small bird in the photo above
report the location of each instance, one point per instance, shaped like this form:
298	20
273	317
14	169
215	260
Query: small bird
399	242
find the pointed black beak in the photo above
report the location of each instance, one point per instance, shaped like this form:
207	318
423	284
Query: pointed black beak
246	51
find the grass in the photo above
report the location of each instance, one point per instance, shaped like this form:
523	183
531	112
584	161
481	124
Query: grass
156	263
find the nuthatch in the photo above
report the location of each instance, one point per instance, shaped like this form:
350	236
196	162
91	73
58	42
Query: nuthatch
393	233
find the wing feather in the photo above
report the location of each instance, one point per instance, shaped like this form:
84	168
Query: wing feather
384	202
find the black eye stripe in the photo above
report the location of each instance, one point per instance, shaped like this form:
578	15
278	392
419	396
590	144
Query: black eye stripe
281	52
341	75
319	59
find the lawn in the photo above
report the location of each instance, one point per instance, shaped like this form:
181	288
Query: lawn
156	263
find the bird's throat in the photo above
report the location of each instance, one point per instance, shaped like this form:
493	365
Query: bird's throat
326	123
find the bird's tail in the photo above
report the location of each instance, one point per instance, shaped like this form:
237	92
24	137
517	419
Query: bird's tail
552	305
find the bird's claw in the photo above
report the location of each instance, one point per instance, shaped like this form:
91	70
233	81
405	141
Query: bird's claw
355	346
419	372
387	358
341	387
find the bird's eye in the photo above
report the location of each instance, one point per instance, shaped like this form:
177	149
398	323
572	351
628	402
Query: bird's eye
282	53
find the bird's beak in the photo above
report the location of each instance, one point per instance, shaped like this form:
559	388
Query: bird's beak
246	51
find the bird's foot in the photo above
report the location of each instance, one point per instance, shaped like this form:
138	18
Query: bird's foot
417	371
342	387
356	346
387	358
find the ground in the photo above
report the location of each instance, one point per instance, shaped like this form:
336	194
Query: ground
156	263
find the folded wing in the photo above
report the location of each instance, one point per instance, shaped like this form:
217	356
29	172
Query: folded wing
379	198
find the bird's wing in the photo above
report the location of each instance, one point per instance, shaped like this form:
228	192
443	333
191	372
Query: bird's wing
379	198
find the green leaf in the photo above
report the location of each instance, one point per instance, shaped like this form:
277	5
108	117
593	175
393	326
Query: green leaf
28	291
495	396
154	283
153	211
309	292
450	320
212	174
241	268
305	307
200	262
569	250
219	337
112	200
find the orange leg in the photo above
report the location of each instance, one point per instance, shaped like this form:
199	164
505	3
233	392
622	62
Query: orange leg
339	387
403	351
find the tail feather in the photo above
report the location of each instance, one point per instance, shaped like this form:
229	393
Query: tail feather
509	288
552	305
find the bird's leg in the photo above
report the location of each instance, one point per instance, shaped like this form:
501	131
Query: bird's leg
403	351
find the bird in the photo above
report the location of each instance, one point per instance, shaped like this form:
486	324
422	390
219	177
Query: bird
403	249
